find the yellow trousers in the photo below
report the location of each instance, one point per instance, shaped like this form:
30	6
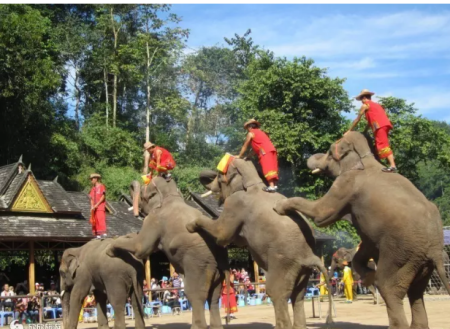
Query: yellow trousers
348	291
323	291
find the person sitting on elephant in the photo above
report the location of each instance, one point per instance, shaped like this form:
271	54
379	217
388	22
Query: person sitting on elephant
267	154
98	205
380	124
159	160
347	280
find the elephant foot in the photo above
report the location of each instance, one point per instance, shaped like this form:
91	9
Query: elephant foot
192	227
280	207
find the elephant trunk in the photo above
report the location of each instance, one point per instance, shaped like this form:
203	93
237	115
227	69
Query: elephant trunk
65	301
135	195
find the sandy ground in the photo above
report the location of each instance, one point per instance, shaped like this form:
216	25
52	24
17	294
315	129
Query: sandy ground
359	315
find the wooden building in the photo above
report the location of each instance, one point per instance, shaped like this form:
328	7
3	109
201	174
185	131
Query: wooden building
41	215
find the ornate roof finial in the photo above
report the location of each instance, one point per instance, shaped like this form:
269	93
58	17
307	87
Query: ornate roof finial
20	159
29	167
55	180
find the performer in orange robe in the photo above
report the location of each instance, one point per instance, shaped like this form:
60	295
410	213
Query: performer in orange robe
229	300
98	202
160	160
380	124
267	154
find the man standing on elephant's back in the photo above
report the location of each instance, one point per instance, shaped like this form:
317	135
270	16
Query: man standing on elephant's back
267	154
380	124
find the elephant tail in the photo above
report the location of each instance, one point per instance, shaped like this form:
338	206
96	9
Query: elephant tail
324	271
442	275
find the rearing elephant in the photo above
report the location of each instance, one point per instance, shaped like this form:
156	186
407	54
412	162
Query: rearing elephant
204	263
398	226
282	246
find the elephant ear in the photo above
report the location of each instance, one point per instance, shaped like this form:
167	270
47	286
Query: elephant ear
248	172
208	178
72	264
344	152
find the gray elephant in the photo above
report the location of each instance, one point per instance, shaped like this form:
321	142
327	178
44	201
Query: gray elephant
113	279
203	263
398	226
344	254
282	246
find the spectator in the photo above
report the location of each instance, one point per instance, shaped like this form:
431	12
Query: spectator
181	286
250	287
7	302
54	301
20	310
22	286
167	294
229	298
155	285
33	309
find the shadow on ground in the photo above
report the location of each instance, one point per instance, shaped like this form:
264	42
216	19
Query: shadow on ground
344	325
258	325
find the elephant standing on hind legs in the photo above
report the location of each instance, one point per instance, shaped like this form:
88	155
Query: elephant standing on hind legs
398	226
204	264
282	246
113	279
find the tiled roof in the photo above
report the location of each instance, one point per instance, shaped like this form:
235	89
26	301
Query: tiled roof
14	187
5	173
210	204
57	197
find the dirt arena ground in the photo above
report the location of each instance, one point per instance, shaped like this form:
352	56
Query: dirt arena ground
359	315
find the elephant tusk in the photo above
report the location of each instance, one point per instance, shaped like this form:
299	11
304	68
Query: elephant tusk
131	208
315	171
204	195
62	293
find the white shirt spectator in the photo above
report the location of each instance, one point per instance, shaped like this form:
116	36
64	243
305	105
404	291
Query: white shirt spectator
6	294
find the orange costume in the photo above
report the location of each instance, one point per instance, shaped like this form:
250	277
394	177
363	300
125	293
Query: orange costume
167	161
98	216
378	120
229	301
267	154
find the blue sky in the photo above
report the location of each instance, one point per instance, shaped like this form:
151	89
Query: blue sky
393	50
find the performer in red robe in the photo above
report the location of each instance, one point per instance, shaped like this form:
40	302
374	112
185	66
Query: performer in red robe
267	154
159	160
98	202
229	300
380	124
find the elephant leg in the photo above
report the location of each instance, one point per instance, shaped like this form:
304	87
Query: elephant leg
136	301
77	295
415	296
359	264
298	299
279	290
393	284
102	318
213	300
197	292
355	292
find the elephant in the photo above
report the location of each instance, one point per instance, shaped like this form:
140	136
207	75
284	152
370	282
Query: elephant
399	228
344	254
435	283
283	247
203	263
112	279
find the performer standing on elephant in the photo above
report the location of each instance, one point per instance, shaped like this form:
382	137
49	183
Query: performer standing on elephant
159	160
229	300
267	154
98	202
347	280
380	124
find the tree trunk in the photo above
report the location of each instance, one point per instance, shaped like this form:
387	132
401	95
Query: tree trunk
114	100
147	121
193	115
116	36
105	77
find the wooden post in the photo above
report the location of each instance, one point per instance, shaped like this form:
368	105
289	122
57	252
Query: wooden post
172	270
31	277
256	270
148	277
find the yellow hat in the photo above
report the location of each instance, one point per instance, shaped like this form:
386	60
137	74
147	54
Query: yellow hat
95	176
363	93
345	262
250	122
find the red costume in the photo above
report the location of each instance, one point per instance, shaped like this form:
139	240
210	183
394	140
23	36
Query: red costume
267	154
229	301
98	216
378	120
167	162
